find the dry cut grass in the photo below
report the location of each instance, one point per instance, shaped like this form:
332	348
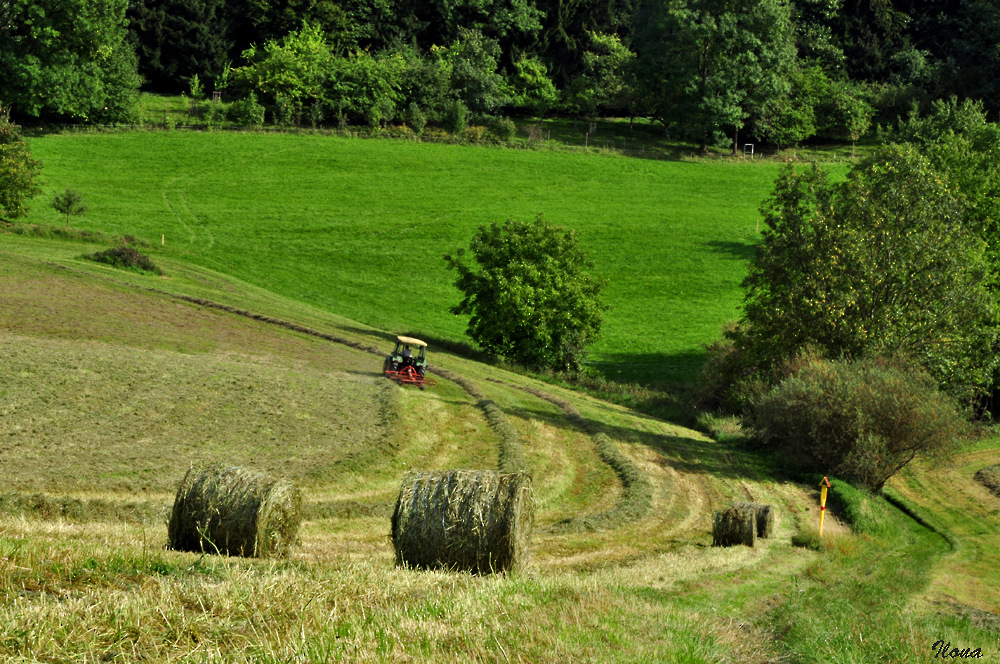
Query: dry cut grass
101	417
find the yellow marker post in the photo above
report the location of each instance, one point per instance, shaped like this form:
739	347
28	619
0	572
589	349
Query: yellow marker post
824	485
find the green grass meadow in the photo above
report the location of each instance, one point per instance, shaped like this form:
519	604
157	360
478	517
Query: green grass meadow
113	382
359	227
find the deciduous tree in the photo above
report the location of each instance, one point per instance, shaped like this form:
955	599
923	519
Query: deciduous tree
719	62
882	264
67	59
18	171
70	203
529	294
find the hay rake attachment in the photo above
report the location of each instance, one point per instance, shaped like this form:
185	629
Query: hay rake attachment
406	368
409	376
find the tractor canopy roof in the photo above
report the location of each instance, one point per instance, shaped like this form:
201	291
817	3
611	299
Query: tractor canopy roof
411	341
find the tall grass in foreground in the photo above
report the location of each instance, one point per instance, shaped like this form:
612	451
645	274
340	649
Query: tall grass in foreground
67	597
106	413
857	600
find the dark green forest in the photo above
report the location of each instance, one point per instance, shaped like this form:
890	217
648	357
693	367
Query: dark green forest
709	71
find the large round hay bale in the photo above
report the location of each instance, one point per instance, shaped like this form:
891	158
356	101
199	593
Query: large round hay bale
469	520
734	526
765	517
233	511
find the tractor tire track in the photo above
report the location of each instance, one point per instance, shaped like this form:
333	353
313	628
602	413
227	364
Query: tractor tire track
182	207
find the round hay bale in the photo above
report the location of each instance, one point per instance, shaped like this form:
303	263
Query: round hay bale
734	526
989	477
233	511
468	520
765	517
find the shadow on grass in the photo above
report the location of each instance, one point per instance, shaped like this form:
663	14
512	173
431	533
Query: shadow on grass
661	371
680	452
743	251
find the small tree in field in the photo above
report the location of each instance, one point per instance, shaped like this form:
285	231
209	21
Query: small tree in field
69	203
531	300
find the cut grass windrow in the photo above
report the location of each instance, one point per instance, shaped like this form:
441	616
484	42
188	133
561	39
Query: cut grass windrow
388	404
512	458
637	491
78	510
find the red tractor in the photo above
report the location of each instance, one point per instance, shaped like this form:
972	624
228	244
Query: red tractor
406	368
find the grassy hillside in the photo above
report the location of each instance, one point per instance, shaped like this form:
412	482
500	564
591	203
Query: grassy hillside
358	227
112	383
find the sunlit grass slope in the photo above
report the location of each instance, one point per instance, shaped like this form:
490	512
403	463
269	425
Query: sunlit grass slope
358	227
110	385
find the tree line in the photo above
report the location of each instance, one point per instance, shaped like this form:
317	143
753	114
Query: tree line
871	319
710	71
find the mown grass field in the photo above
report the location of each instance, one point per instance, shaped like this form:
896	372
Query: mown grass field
110	385
359	227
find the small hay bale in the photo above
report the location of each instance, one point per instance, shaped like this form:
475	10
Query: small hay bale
989	477
468	520
734	526
765	517
233	511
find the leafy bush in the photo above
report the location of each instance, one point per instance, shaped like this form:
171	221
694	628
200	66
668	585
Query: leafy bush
125	257
214	113
861	420
456	117
504	129
725	382
416	118
476	134
397	131
247	112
